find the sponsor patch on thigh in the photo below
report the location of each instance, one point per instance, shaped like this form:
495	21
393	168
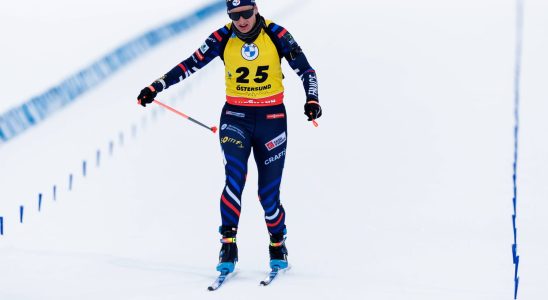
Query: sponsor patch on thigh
275	116
274	158
233	129
276	142
229	140
235	114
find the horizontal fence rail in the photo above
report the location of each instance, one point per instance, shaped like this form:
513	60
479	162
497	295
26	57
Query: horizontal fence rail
17	120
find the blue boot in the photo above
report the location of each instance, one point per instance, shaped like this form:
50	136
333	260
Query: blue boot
228	256
278	251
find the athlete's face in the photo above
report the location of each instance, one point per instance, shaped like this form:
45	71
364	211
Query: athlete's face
245	25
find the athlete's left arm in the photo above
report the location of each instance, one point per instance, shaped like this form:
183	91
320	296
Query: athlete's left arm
288	48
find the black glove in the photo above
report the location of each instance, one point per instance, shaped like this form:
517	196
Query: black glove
312	110
146	96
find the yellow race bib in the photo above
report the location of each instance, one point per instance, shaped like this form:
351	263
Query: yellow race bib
253	72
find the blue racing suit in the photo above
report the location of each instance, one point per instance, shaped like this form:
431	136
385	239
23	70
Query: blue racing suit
254	116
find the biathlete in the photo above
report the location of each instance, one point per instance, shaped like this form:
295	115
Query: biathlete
253	118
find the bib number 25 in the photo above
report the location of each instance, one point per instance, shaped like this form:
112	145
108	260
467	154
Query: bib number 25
260	76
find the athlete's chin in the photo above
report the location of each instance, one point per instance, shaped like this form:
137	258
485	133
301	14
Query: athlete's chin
244	28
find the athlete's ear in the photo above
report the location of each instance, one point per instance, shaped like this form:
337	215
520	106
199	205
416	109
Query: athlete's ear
256	8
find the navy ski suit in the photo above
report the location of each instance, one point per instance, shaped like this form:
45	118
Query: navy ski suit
254	116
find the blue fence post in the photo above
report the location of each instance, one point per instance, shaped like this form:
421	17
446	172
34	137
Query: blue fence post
40	202
98	158
1	225
144	122
84	168
54	193
70	182
111	147
517	100
21	212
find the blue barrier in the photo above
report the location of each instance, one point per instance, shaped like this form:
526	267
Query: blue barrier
21	212
517	96
19	119
98	158
40	202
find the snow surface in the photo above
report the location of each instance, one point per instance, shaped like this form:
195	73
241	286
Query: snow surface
403	192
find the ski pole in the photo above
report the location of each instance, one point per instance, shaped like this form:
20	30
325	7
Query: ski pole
213	129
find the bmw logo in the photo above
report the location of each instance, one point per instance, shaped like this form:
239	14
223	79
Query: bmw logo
236	2
250	51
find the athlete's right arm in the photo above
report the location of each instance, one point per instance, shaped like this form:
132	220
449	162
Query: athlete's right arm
211	48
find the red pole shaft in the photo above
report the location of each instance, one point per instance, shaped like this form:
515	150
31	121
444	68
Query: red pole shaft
214	129
171	109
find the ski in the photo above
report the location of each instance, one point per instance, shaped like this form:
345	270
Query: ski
219	281
273	275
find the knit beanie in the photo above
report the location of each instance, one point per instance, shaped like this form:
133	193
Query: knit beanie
231	4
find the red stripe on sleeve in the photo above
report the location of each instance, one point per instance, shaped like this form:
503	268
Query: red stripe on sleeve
199	55
281	34
217	36
182	67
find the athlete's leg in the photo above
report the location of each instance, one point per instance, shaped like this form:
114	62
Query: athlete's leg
269	149
235	138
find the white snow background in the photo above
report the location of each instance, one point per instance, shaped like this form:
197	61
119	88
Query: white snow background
404	191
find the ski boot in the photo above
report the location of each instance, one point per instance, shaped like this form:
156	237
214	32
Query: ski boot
278	251
228	256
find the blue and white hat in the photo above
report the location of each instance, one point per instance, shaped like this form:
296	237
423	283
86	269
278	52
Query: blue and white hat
231	4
